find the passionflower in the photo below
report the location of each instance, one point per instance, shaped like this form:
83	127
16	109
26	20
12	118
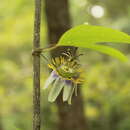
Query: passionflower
66	75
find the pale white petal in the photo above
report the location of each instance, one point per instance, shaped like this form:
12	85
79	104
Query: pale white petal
49	80
55	90
76	89
71	94
66	92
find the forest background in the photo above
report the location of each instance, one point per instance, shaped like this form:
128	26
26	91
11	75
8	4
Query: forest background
105	94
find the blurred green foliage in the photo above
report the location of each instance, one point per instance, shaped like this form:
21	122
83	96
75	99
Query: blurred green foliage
106	90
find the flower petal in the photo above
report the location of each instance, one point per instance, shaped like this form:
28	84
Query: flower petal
51	78
66	92
68	82
71	94
55	90
76	90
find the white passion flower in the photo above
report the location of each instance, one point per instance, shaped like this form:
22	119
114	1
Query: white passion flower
66	75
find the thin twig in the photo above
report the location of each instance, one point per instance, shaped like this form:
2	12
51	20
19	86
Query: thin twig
46	49
36	67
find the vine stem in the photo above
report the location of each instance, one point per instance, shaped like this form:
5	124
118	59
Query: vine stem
36	67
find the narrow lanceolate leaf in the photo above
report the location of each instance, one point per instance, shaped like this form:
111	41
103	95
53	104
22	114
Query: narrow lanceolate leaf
109	51
66	92
55	90
83	35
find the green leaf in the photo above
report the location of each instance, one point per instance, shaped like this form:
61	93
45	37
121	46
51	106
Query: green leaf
82	35
55	90
87	36
109	51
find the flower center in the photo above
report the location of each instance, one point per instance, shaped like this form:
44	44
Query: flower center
66	71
